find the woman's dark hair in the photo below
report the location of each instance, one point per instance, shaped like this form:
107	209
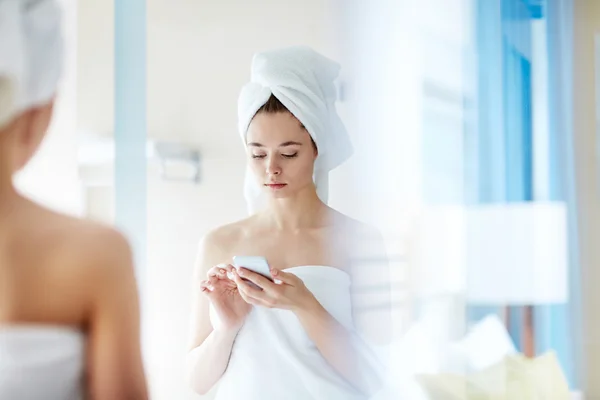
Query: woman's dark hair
272	106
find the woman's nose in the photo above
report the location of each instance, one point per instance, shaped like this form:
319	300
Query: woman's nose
273	167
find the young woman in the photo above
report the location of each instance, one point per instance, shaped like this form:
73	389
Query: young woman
300	334
69	318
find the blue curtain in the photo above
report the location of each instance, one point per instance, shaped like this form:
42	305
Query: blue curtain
559	327
505	144
504	136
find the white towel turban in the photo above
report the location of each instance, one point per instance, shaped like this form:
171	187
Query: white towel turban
30	55
303	81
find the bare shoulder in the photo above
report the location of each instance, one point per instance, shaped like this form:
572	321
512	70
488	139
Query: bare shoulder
92	239
105	263
225	236
357	230
90	247
105	244
216	245
363	242
82	261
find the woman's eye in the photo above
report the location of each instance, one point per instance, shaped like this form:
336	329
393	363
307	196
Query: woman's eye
258	156
290	155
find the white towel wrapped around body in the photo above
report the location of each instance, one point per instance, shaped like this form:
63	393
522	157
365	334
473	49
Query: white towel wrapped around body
304	82
273	358
42	362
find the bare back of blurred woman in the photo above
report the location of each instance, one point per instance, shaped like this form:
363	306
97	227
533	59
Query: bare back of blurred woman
69	312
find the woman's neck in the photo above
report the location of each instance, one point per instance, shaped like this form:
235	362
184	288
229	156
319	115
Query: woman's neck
303	211
7	190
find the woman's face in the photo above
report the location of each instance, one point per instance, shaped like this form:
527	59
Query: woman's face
281	153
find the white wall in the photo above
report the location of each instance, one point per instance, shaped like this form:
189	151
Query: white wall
95	66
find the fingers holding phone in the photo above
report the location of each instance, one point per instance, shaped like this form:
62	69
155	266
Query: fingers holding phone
225	298
255	264
220	273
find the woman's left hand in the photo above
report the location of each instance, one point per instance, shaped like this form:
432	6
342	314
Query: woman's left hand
287	291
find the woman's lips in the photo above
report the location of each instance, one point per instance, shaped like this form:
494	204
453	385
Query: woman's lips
276	185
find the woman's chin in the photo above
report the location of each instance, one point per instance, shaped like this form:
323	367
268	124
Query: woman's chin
281	193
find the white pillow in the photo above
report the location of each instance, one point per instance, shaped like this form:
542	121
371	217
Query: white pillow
486	344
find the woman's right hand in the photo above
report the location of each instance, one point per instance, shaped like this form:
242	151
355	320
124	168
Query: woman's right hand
223	294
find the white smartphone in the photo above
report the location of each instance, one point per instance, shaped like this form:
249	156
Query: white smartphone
253	263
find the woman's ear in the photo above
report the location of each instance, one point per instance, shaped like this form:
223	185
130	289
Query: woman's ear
35	123
314	146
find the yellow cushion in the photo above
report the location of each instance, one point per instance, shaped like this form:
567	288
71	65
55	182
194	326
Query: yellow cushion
515	377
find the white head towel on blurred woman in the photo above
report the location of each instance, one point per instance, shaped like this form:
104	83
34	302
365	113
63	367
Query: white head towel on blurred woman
30	55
